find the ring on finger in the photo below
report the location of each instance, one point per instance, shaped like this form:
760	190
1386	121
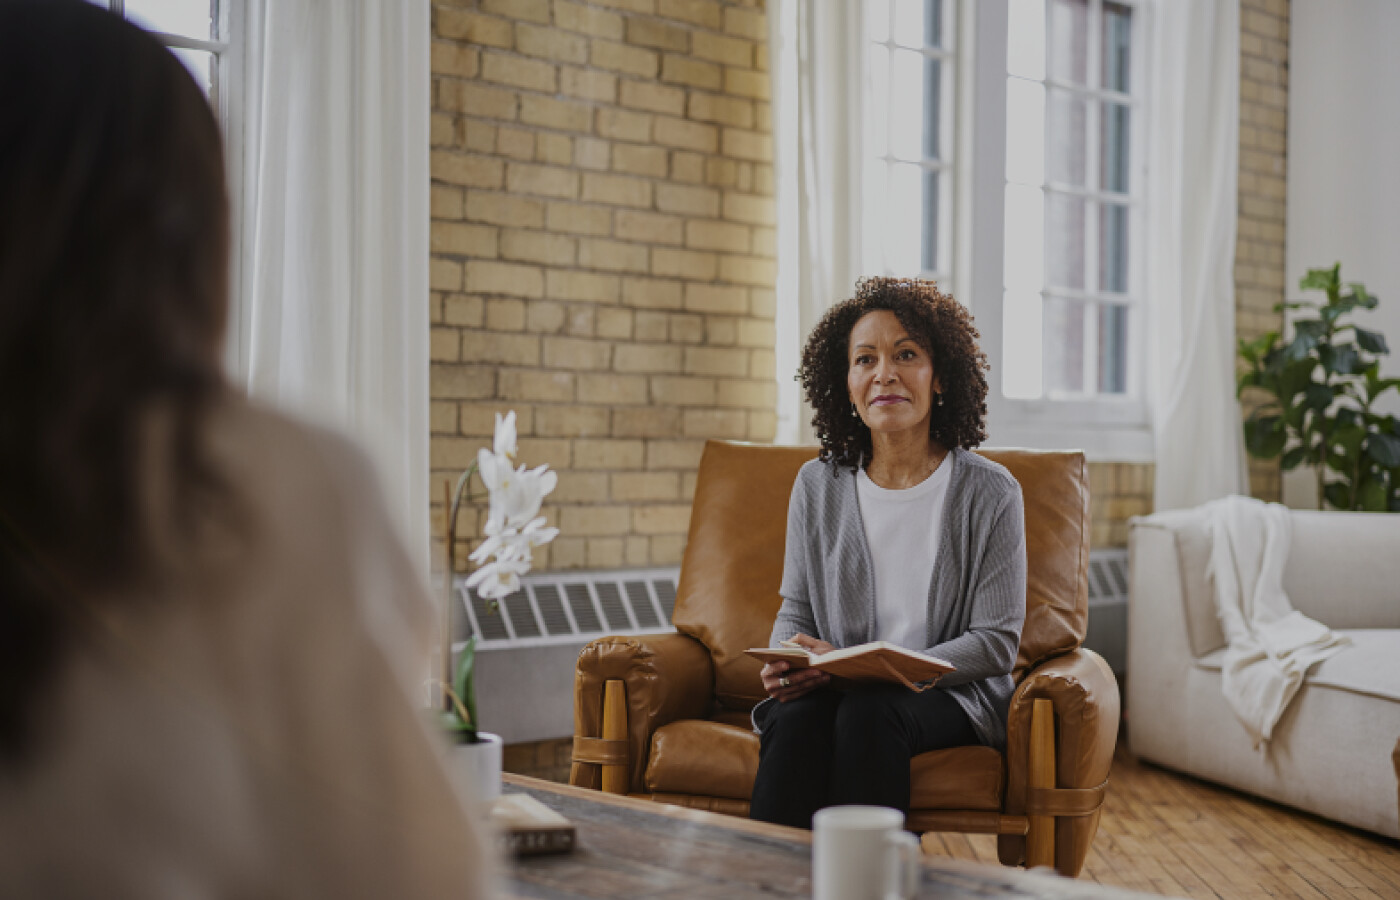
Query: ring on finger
784	681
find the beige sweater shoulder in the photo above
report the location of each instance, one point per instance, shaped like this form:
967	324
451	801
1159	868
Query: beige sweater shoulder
251	730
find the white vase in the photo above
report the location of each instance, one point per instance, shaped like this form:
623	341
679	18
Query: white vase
478	766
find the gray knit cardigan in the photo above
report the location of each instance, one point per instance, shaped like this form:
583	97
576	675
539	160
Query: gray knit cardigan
976	601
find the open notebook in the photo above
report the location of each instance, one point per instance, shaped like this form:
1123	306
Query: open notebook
875	661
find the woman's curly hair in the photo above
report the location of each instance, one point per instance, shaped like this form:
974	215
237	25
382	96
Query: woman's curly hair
940	325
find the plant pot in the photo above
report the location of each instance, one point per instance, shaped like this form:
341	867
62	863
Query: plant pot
478	766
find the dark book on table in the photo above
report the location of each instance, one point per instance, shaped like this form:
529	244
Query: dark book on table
526	827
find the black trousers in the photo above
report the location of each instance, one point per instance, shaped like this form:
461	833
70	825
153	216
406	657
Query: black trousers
833	747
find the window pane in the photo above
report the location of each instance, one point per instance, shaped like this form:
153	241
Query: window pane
1025	42
1113	248
1023	266
1021	345
877	20
907	104
1063	351
1113	152
1117	32
933	102
930	223
1025	131
1113	348
904	219
1066	123
875	194
933	23
187	18
909	23
1064	241
1068	44
879	99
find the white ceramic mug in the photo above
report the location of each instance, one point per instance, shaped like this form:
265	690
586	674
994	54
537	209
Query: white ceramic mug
863	853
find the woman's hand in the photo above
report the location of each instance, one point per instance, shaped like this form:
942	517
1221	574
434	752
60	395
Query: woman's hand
799	682
811	644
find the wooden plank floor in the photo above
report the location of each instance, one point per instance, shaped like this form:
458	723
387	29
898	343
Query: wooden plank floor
1171	834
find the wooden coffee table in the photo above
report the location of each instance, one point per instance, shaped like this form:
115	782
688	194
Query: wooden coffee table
635	848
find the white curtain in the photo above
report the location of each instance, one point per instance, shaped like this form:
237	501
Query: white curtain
1192	206
330	317
817	83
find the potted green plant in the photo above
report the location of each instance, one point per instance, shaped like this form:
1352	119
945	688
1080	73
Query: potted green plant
513	529
1319	394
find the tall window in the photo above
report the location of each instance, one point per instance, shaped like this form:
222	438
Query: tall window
910	126
196	31
1003	156
1072	273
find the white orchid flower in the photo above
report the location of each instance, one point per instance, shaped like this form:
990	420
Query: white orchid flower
536	534
498	579
505	436
513	524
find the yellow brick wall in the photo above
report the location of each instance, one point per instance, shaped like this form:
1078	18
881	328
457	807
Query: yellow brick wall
602	253
1259	283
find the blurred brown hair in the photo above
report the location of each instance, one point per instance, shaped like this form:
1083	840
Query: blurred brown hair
113	295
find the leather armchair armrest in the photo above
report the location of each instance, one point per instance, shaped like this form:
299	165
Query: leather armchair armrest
1085	695
666	676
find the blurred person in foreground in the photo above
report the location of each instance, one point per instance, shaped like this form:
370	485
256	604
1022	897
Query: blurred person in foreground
210	635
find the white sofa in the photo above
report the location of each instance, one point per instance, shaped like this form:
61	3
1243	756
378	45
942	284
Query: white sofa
1332	750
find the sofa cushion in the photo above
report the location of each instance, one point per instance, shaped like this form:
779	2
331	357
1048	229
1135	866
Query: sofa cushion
712	759
1198	593
1367	667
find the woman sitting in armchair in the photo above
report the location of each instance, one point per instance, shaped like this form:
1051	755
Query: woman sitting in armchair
896	533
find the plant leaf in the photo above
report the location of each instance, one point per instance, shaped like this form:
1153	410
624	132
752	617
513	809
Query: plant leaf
1338	495
1373	495
1264	438
464	683
1318	396
1319	279
1371	341
1293	458
1339	359
1364	298
1384	449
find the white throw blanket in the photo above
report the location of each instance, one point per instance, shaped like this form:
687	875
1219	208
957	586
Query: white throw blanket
1271	645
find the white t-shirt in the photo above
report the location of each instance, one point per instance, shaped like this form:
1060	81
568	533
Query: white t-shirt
902	528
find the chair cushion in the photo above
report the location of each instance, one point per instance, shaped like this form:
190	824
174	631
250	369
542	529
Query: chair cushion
695	756
728	593
711	759
957	778
1055	491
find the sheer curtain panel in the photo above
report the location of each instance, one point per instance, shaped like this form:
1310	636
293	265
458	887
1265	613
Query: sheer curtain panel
817	110
330	315
1192	185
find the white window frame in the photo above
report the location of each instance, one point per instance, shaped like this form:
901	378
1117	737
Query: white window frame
950	239
1106	427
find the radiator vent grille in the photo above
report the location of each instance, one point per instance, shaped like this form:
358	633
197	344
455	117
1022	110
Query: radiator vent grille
568	607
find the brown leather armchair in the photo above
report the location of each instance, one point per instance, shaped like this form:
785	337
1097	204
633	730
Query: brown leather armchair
676	725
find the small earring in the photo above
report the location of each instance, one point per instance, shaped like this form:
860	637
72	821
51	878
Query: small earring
940	399
854	414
